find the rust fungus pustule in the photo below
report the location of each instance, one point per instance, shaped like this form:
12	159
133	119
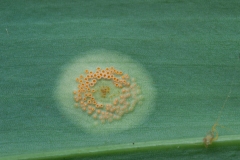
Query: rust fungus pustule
106	94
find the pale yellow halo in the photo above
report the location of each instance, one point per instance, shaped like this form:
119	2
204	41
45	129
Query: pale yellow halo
105	92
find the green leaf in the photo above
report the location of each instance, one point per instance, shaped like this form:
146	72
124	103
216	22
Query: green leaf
188	50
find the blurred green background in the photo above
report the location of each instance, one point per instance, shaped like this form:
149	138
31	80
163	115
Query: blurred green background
190	48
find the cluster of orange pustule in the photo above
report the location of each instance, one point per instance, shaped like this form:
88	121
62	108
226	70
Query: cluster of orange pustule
123	101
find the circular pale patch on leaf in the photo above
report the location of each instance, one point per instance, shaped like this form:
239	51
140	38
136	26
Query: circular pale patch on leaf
105	92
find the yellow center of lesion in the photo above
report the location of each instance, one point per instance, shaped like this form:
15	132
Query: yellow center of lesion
104	91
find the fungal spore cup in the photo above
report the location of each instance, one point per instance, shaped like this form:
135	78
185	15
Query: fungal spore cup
105	92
